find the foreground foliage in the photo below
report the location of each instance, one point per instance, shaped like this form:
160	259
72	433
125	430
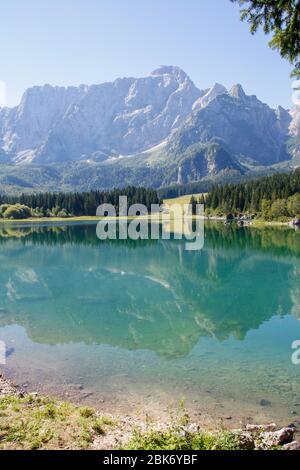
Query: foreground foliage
279	18
42	423
32	422
175	439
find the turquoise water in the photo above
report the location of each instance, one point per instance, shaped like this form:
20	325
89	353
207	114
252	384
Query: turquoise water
134	326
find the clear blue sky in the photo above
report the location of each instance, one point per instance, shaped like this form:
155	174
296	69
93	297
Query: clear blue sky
69	42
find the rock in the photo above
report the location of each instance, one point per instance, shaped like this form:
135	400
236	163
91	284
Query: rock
76	386
259	427
229	217
277	438
294	445
247	441
296	222
264	402
89	394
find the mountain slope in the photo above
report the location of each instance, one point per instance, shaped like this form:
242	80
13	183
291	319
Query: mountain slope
154	131
248	128
68	124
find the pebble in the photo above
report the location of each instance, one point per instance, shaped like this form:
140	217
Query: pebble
264	402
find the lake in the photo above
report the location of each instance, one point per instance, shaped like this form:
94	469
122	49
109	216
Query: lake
138	326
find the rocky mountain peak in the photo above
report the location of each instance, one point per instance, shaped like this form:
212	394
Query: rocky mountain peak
295	123
209	96
163	117
284	119
237	91
175	71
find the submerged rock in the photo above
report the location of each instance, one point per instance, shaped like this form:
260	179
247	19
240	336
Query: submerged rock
264	402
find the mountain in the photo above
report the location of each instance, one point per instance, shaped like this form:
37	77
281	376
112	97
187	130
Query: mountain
55	124
295	132
247	127
157	131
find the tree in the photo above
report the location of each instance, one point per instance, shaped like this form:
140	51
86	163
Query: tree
293	205
17	211
278	209
265	209
193	203
281	19
3	208
257	195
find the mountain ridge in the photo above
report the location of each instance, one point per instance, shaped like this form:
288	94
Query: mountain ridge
157	130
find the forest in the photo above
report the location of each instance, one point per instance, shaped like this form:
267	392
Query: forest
273	197
71	204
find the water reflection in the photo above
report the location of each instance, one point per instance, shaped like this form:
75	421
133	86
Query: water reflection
65	286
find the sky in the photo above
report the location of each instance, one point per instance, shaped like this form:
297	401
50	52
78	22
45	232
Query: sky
70	42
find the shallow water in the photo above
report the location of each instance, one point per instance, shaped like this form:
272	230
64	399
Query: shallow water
134	326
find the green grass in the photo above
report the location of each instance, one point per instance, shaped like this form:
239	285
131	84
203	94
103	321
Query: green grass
49	219
179	435
175	438
34	422
181	200
42	423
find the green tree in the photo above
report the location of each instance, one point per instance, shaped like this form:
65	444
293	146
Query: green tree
193	203
17	211
63	213
279	18
266	209
278	209
293	205
3	208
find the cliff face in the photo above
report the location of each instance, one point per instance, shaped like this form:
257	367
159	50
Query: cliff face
155	131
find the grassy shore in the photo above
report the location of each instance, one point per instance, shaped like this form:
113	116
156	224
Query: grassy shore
30	421
256	223
39	220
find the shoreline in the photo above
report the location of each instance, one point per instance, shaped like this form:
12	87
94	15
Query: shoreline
255	223
87	428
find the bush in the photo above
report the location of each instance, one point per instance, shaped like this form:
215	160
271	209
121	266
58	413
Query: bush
293	205
63	213
3	208
17	211
278	209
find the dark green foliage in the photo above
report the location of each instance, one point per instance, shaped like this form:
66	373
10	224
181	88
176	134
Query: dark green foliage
80	204
281	19
15	211
193	203
275	196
